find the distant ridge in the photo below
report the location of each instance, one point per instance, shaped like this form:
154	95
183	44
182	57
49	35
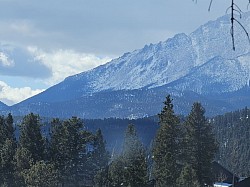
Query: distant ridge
3	106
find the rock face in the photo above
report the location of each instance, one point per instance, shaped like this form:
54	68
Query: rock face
198	67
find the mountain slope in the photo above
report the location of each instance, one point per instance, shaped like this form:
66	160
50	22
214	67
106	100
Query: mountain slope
152	66
196	67
3	106
217	76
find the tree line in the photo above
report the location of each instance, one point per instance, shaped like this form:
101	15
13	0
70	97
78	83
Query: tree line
180	155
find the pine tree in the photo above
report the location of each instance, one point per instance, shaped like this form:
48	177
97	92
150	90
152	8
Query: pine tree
116	173
201	144
23	162
7	151
31	137
7	164
10	130
41	174
102	177
100	154
99	157
134	157
130	168
68	150
187	178
2	131
166	147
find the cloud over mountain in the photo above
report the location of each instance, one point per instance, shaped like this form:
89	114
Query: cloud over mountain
48	67
10	95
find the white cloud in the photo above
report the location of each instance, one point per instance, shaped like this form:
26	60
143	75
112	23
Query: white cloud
64	63
5	61
12	96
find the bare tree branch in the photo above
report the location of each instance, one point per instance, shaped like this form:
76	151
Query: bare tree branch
243	29
196	1
210	5
234	8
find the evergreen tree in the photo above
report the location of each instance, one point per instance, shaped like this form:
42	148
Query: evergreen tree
116	172
68	150
102	178
2	131
7	151
134	158
187	178
130	168
201	144
100	158
56	149
31	137
100	154
41	174
7	164
232	131
23	162
166	147
10	130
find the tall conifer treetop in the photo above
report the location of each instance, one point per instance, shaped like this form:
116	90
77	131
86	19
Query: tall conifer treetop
166	147
201	145
31	137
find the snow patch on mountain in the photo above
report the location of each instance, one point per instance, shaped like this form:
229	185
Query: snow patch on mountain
159	64
152	66
218	75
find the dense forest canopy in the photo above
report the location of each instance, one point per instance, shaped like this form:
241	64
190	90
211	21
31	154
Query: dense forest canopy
169	149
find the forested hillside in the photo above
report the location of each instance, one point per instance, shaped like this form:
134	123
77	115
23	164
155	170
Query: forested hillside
39	152
232	131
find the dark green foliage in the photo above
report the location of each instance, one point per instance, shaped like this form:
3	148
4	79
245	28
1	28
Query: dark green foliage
233	134
2	131
130	168
187	177
134	157
23	162
117	172
100	154
102	178
7	164
10	130
7	151
65	147
6	129
166	147
146	129
31	137
72	156
99	159
41	174
200	144
68	150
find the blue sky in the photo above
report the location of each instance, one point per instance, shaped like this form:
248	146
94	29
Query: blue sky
42	42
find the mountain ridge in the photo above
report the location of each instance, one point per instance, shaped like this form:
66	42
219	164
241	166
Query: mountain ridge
3	105
194	67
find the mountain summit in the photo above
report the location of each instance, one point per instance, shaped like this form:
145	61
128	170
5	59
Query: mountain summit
200	66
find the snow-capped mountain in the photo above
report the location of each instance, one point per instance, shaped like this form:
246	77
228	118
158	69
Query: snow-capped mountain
217	76
191	67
